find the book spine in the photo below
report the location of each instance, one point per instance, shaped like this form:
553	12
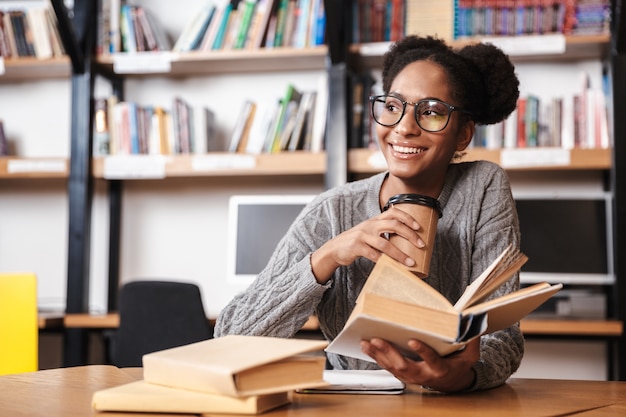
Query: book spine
4	145
244	26
281	21
220	35
101	128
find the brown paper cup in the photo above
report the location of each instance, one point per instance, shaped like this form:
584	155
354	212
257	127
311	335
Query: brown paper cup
426	211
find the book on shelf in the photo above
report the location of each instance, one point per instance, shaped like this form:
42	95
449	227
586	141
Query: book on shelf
238	365
191	37
258	26
143	397
4	143
101	135
378	21
228	14
241	131
292	95
281	22
303	122
247	15
474	18
234	23
397	306
123	27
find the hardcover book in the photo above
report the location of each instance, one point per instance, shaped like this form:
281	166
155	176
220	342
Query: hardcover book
397	306
238	365
141	396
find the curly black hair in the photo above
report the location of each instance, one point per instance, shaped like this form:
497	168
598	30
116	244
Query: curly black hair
482	78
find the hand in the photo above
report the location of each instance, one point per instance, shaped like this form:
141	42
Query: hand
368	240
443	373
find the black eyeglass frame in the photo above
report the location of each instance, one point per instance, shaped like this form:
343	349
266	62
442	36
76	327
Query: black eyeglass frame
450	107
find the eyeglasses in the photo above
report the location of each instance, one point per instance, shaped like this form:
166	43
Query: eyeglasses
431	115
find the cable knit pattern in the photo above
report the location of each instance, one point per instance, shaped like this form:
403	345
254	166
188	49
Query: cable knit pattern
479	221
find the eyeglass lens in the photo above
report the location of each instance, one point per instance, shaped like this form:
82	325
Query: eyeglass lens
430	115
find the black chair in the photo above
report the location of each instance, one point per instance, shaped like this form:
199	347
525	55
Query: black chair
157	315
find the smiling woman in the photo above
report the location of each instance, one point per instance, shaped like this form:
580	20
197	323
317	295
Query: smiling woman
433	97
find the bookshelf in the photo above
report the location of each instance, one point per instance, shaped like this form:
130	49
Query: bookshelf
195	186
219	62
35	94
577	47
365	161
222	164
30	68
33	168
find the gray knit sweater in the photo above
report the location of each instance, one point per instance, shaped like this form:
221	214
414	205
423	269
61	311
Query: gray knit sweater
479	221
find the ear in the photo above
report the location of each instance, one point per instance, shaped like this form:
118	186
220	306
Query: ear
466	133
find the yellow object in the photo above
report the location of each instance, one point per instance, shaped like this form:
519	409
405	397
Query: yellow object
18	323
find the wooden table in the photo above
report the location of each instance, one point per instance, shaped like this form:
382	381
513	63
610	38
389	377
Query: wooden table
67	392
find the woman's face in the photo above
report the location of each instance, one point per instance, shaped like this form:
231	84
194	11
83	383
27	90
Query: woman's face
418	158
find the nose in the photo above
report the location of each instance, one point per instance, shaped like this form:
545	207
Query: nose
408	125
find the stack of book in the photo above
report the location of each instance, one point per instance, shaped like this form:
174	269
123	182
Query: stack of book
231	374
219	25
126	28
127	128
29	32
253	24
293	122
378	21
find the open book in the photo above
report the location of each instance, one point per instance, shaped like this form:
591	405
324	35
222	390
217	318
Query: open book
238	365
397	306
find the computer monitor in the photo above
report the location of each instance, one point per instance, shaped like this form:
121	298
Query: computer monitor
567	238
256	223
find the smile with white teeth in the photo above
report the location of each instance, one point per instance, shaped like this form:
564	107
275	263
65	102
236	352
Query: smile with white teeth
406	149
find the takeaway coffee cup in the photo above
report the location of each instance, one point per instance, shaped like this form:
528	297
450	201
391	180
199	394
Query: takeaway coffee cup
426	211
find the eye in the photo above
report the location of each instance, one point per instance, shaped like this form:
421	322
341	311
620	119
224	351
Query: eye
432	109
393	105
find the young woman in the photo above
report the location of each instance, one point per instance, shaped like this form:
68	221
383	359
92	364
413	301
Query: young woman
433	98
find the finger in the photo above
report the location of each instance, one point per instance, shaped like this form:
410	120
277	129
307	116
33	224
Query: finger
428	354
402	216
402	224
384	354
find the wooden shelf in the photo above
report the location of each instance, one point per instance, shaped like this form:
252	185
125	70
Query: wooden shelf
553	327
365	161
33	69
209	165
577	47
14	168
216	62
536	327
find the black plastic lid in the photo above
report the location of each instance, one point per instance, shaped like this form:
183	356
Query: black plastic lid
423	200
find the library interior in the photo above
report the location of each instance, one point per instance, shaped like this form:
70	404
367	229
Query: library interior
176	142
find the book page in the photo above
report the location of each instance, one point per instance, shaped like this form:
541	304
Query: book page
500	270
391	279
504	311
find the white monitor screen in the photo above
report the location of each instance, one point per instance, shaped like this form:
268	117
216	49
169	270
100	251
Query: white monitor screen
566	239
256	225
